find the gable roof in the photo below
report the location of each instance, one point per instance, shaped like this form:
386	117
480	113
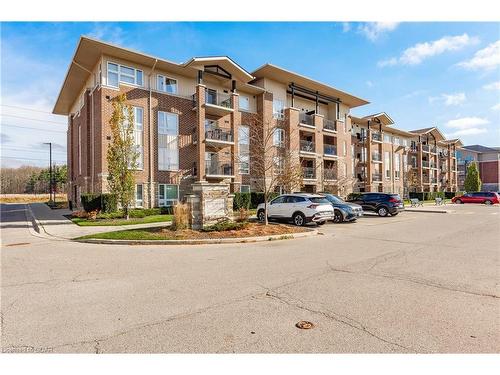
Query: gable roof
382	116
279	74
479	148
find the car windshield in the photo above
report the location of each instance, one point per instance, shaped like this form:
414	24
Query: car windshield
321	200
334	199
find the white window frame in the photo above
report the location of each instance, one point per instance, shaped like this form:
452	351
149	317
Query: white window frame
247	188
139	202
387	138
245	98
165	202
278	113
170	166
120	74
164	78
79	149
244	157
139	132
279	166
387	164
397	166
279	137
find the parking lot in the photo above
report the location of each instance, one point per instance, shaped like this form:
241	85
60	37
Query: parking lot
418	282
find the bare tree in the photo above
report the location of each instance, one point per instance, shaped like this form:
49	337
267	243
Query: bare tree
274	162
411	178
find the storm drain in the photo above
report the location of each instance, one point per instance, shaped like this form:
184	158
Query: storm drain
303	324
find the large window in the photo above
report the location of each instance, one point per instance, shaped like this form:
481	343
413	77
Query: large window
244	103
279	137
387	138
167	84
168	195
279	165
396	166
119	73
278	109
387	164
138	135
168	141
244	149
245	189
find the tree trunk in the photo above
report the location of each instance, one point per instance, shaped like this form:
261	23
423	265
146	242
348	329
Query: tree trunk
266	222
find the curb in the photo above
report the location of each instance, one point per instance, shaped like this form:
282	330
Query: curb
426	211
32	218
308	233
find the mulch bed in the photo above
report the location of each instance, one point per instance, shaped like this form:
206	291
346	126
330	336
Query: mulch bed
251	230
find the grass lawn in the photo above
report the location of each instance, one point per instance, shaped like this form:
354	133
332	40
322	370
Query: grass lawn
117	222
132	234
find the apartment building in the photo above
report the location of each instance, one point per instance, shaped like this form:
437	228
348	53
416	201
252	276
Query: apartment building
488	162
193	120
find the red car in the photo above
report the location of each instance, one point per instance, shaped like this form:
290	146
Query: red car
481	197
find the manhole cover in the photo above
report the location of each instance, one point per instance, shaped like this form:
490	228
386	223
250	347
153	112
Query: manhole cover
303	324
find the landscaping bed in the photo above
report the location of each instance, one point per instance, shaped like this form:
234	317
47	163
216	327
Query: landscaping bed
136	216
237	230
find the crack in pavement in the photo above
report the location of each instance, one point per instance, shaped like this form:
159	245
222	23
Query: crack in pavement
336	317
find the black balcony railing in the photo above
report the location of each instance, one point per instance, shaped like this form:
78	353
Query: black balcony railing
376	136
214	168
304	118
307	146
218	134
308	172
426	148
329	125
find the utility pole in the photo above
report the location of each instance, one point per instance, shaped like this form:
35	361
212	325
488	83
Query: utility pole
50	172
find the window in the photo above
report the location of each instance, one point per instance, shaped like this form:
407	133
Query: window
245	189
79	149
387	164
387	138
138	195
120	73
280	199
244	149
295	199
396	166
278	109
168	195
278	164
396	141
138	135
244	103
405	142
166	84
279	137
353	158
168	141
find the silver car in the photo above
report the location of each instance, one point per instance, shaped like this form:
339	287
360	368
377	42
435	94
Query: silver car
300	208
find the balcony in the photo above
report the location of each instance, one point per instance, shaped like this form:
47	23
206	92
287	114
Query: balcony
307	146
376	157
330	174
305	119
433	150
329	150
425	164
433	164
329	125
433	180
216	169
377	177
426	148
376	137
219	136
217	103
308	173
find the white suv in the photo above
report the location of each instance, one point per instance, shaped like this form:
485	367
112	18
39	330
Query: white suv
301	208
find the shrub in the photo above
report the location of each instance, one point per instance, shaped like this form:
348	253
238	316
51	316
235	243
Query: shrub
180	219
92	215
80	214
257	198
241	200
243	215
100	202
225	225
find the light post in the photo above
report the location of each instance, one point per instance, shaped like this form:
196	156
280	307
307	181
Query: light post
50	173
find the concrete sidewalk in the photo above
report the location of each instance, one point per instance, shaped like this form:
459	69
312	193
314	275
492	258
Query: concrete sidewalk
54	224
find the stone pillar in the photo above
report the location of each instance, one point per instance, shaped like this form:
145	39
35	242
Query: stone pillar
318	143
209	203
235	124
369	163
200	126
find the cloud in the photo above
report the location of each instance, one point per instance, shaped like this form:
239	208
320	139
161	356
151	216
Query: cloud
421	51
449	99
346	27
369	83
492	86
465	132
466	122
487	58
109	33
374	30
496	107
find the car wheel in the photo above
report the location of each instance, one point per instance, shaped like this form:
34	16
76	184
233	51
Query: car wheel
299	219
487	202
261	215
321	222
382	211
338	217
458	201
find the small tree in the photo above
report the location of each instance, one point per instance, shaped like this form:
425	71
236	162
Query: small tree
274	165
411	178
122	153
472	179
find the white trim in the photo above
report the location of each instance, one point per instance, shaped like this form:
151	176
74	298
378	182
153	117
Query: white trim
158	75
119	73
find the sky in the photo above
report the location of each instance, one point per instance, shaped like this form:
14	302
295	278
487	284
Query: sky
421	74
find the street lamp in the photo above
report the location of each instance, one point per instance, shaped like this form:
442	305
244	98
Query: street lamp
50	172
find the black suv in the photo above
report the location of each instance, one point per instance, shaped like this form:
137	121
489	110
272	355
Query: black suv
381	203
